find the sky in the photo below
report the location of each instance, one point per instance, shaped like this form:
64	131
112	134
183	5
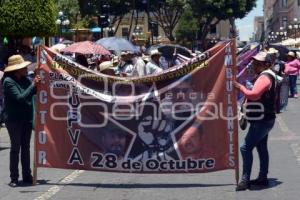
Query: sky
245	25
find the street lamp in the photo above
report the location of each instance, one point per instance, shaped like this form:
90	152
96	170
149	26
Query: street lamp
282	33
137	32
61	21
294	26
273	36
110	31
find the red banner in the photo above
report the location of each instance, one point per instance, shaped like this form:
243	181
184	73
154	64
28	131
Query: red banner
182	120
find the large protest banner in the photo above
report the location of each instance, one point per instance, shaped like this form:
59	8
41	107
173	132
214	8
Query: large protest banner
181	120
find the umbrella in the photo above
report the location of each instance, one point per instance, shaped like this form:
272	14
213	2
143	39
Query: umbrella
86	48
58	47
282	50
168	50
117	45
67	42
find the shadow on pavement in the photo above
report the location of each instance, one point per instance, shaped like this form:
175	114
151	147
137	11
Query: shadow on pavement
3	148
144	185
39	182
273	182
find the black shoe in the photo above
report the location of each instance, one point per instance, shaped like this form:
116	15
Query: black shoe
13	183
260	182
28	180
243	185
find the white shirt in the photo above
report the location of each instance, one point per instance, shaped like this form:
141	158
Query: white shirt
139	66
152	68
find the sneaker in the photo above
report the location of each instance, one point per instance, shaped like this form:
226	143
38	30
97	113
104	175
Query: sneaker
243	185
295	95
260	182
13	183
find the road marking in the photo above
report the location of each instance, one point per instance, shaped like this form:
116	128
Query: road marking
296	149
56	188
283	126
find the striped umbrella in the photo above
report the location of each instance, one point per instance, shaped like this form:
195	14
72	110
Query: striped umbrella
85	48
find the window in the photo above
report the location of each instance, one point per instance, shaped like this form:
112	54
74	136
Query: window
125	32
284	3
298	2
284	21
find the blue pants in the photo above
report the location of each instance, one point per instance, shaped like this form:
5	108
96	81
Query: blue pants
257	136
293	84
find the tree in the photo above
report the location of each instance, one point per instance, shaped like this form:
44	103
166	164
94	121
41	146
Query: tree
186	31
211	12
167	14
117	9
22	18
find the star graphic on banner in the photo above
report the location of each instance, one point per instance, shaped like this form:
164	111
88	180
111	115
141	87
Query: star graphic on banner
155	130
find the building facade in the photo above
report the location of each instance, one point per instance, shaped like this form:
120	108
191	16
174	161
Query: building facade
258	28
279	15
142	30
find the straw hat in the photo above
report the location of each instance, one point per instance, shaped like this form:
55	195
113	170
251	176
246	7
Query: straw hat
292	54
273	51
16	62
154	52
105	65
261	56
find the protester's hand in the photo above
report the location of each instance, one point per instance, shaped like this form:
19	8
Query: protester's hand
236	85
36	80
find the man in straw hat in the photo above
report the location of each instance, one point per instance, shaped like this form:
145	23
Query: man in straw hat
292	68
107	67
18	114
152	66
125	67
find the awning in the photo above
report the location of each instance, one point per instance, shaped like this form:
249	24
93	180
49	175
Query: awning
96	30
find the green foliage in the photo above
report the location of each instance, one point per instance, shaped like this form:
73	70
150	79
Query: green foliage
186	31
93	7
167	14
222	9
82	23
210	12
27	17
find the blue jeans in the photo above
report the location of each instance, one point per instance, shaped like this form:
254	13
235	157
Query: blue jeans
293	84
257	136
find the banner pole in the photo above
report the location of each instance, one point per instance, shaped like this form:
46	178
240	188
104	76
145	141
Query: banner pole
237	170
35	130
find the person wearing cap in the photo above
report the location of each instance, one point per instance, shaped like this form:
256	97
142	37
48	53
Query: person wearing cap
260	112
125	67
292	68
152	66
18	115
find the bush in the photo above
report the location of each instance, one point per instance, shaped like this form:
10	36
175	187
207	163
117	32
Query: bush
25	18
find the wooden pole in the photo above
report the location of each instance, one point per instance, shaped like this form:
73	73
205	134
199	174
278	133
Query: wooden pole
34	173
233	34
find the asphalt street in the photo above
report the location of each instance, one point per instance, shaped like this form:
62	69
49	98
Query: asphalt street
58	184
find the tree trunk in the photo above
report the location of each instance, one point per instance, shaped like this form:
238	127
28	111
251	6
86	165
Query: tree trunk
233	32
130	28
